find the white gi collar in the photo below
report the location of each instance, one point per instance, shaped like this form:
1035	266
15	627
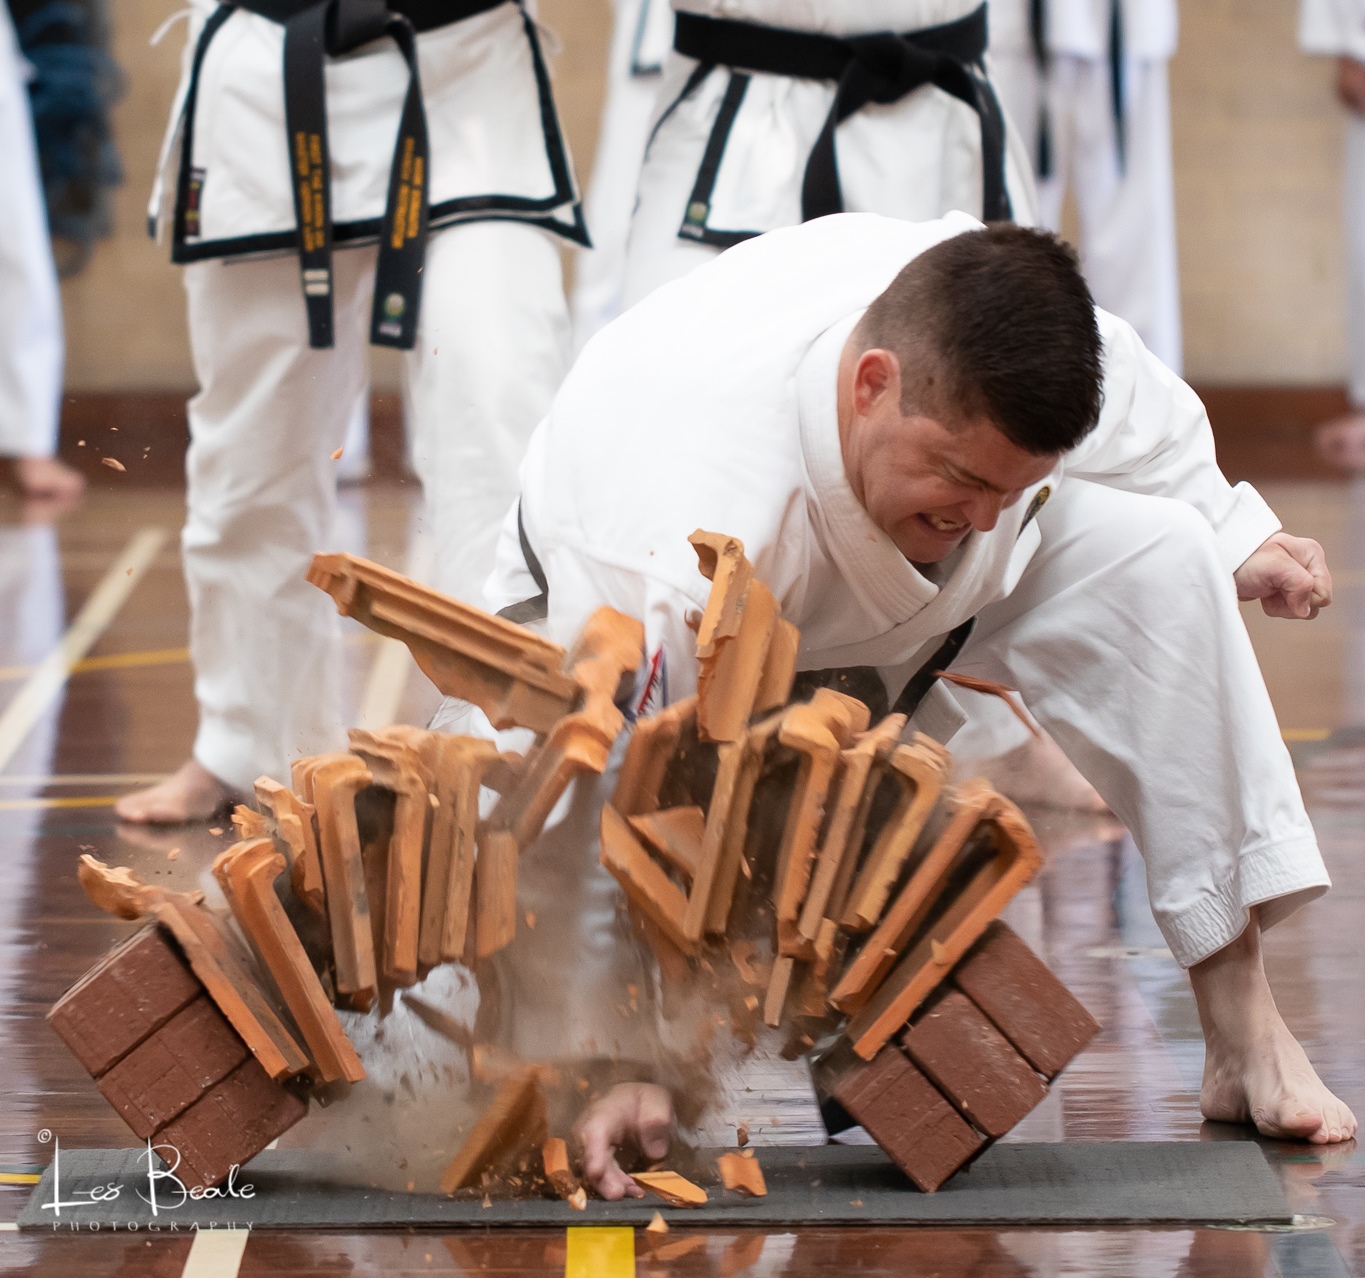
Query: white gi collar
885	583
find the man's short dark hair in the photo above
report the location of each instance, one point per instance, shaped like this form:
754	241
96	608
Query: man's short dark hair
996	323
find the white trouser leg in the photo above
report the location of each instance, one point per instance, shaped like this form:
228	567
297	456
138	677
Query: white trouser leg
262	495
1124	638
1353	207
490	355
30	305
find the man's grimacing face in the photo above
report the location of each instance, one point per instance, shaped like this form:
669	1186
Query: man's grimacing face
924	484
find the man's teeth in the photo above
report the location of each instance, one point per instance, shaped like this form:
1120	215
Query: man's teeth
943	525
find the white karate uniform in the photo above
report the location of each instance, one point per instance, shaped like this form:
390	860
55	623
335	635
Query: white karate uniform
914	159
1113	611
491	348
1337	28
1126	212
31	343
641	37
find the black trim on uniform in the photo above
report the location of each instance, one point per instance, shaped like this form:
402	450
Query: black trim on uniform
698	211
883	67
1117	93
927	675
536	608
638	69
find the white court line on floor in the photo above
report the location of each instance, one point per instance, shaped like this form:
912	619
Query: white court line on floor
393	662
216	1253
46	682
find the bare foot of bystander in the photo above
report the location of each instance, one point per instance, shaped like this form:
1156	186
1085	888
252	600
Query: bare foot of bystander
191	794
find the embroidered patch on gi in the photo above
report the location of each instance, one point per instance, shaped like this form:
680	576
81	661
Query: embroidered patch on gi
192	202
1038	502
654	695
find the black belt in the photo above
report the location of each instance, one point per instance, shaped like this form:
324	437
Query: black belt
313	31
883	67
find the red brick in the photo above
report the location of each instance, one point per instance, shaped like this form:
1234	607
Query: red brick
230	1125
166	1073
132	992
1027	1003
908	1117
973	1064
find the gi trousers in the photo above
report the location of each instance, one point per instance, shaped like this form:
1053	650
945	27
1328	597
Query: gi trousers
1127	216
31	343
1353	208
1125	641
262	484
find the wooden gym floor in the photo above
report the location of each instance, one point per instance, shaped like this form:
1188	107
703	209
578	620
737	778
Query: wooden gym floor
102	587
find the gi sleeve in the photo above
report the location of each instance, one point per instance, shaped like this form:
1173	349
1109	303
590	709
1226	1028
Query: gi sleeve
1154	437
1332	27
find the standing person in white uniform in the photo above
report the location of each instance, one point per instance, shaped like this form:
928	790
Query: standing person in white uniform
1085	83
911	426
641	34
31	345
773	112
429	127
1337	28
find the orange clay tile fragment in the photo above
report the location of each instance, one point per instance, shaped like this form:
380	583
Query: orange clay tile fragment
210	956
733	638
919	769
247	872
513	1123
742	1172
396	766
778	986
1002	855
337	779
510	673
675	1190
298	828
779	670
813	993
554	1155
609	648
651	747
495	891
249	823
675	834
657	1224
657	897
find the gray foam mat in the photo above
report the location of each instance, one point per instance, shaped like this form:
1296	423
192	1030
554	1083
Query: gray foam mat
1083	1184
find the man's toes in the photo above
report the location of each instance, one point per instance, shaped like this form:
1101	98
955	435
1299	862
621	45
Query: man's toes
1287	1124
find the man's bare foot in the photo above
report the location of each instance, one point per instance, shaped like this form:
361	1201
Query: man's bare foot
191	794
1254	1069
1341	441
1037	774
46	478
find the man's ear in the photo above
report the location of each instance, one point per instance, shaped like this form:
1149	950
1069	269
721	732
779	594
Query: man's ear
876	376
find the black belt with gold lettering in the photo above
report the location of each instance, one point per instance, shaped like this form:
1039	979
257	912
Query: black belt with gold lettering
313	31
883	67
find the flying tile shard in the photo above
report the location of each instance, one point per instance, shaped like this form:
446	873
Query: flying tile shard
650	890
247	873
510	673
609	649
554	1155
997	859
973	1065
651	746
743	1173
397	767
675	1190
813	994
1037	1013
736	631
249	823
336	780
905	1114
495	887
676	835
512	1125
919	769
298	828
778	986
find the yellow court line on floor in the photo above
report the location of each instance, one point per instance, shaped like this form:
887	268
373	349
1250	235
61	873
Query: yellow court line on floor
20	1178
41	780
1305	734
42	687
113	661
600	1252
216	1253
40	805
393	663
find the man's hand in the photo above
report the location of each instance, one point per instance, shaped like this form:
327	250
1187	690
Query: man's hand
1288	575
638	1115
1351	84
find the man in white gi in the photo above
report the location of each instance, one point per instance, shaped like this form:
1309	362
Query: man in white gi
31	346
430	128
910	426
1085	83
1337	28
772	112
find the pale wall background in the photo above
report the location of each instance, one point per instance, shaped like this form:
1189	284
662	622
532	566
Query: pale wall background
1257	140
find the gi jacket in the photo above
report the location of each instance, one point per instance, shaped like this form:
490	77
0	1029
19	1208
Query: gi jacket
1333	26
712	404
